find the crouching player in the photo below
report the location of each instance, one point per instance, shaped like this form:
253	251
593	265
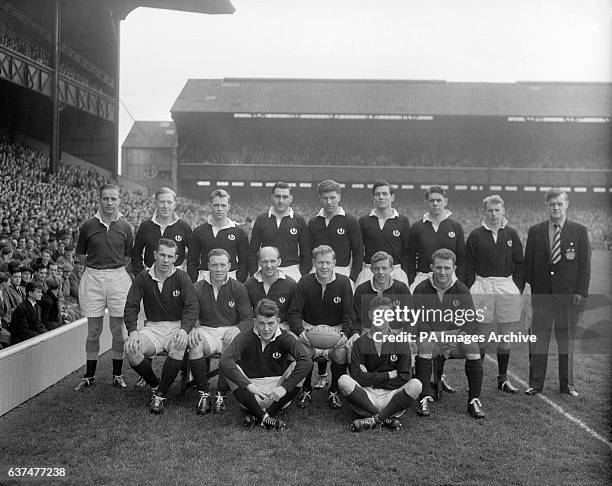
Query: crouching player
449	327
380	384
265	367
171	307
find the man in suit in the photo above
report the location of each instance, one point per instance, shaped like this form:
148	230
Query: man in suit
558	268
26	322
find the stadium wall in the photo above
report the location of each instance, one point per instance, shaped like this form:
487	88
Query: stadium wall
28	368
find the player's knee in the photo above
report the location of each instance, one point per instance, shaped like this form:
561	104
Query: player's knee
346	384
116	327
94	329
413	388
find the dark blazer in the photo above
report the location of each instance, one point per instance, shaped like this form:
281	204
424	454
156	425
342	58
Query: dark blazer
25	323
571	275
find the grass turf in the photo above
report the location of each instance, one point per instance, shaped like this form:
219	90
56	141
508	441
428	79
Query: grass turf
107	436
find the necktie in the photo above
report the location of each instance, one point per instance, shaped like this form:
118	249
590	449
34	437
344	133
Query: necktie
556	245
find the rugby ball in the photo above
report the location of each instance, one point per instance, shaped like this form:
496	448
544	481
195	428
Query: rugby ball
321	337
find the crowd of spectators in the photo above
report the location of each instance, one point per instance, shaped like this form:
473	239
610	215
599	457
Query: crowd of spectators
16	36
40	214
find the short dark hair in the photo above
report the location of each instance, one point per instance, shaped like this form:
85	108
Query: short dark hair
382	183
281	185
33	285
166	242
328	185
381	255
108	185
443	254
380	301
435	190
266	308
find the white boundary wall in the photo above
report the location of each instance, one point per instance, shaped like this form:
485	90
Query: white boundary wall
30	367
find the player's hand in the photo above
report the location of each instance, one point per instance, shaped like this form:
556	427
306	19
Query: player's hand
578	299
132	345
257	391
194	337
392	374
342	342
180	338
277	393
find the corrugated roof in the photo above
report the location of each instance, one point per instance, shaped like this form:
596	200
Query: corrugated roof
151	134
394	97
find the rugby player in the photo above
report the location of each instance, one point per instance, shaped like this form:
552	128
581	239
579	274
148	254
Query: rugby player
171	306
265	367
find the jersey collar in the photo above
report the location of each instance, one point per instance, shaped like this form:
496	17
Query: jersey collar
175	218
98	216
394	214
152	272
272	213
230	223
276	334
426	216
503	225
257	275
341	212
453	282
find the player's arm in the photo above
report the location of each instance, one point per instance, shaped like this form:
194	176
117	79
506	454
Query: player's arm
242	247
347	308
193	256
412	253
354	324
303	361
530	248
404	366
471	259
132	303
228	364
81	248
518	260
191	308
359	371
129	245
356	245
139	244
254	246
305	249
584	265
296	310
243	307
460	246
405	242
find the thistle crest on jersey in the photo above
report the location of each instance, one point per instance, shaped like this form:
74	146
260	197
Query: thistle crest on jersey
293	231
276	355
393	358
231	237
341	231
337	300
396	232
451	234
456	303
176	293
396	303
231	303
510	243
282	300
178	238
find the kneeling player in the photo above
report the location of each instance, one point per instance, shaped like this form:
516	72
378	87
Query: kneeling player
440	295
380	385
265	367
171	308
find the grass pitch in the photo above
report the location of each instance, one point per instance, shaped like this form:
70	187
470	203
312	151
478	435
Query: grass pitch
107	436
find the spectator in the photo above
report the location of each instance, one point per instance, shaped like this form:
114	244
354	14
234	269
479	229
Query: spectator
26	322
50	306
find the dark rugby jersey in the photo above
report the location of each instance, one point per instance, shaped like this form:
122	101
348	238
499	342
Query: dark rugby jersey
393	238
231	238
332	307
245	356
231	307
176	302
148	235
487	258
291	239
106	247
343	235
424	241
393	356
281	292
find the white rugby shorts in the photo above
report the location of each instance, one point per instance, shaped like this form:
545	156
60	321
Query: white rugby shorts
160	333
104	289
498	297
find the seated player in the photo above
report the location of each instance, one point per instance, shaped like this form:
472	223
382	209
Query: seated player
323	297
438	295
225	310
270	282
265	367
380	384
171	308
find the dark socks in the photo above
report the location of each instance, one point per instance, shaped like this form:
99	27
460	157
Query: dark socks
483	353
360	402
199	370
503	357
169	371
308	382
400	401
145	370
322	368
423	374
91	368
473	371
248	401
337	370
278	406
117	366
